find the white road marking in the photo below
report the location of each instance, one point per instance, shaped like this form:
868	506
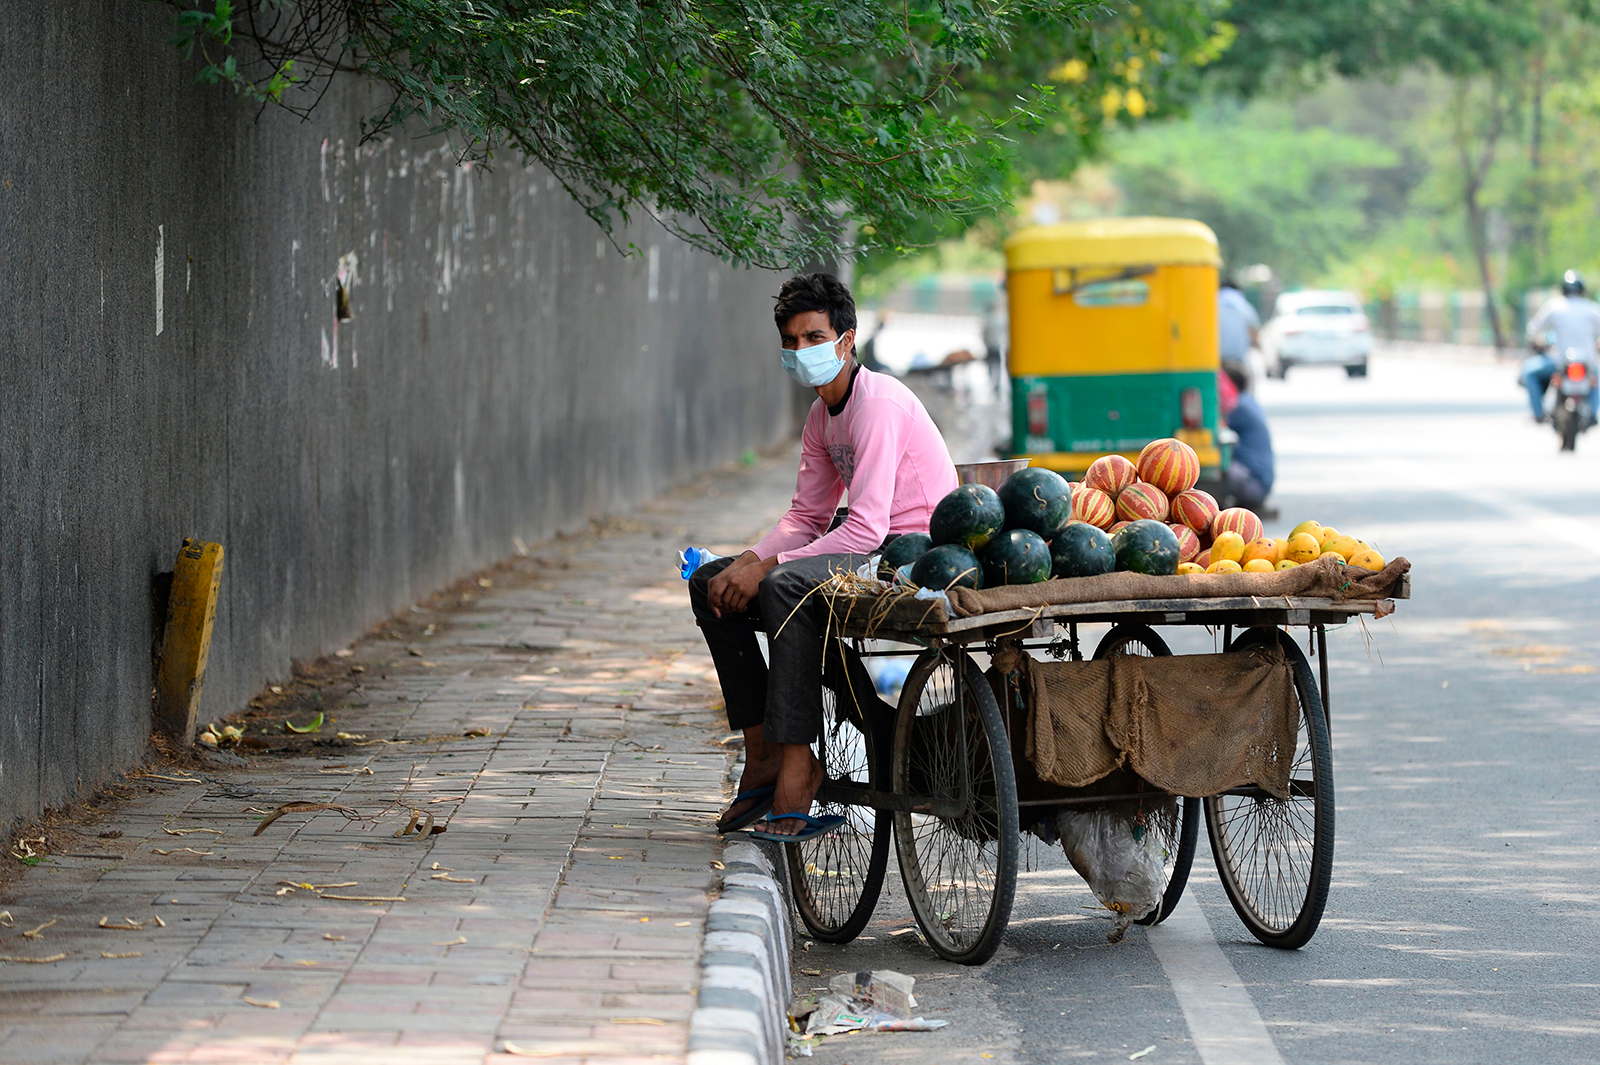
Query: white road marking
1222	1017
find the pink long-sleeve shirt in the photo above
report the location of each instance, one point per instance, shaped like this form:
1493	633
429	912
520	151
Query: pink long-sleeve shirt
886	450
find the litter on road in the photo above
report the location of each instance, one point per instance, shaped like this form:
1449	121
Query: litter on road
880	1001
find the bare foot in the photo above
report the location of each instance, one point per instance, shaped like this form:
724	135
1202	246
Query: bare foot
762	762
798	781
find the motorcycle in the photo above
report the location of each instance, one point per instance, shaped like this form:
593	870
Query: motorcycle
1569	399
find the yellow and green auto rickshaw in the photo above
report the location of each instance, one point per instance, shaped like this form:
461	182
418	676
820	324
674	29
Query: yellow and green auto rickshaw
1114	341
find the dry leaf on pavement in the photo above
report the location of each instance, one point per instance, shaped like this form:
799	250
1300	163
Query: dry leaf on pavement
364	898
523	1052
35	933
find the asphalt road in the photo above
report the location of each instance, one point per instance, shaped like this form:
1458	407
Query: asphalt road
1463	921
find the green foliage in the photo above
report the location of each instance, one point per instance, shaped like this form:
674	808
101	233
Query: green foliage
757	130
1121	65
197	29
1295	43
1293	198
1130	63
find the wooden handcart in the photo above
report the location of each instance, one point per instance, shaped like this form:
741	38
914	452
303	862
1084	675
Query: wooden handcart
939	776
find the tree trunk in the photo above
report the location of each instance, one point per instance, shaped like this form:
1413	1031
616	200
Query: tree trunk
1475	167
1480	250
1535	176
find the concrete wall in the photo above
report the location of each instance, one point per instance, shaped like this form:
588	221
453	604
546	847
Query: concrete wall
172	367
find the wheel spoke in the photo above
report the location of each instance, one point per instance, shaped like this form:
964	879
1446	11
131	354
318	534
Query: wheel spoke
836	877
956	868
1173	820
1271	853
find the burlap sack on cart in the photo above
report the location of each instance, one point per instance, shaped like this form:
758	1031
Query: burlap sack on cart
1325	578
1192	725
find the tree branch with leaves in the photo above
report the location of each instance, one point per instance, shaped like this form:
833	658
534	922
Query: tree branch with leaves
759	130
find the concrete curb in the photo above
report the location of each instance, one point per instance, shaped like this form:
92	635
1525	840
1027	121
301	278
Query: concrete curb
740	1017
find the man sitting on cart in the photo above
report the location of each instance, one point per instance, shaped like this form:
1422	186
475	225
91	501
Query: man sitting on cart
866	433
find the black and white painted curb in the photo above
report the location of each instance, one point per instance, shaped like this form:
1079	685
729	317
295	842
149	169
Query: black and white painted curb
741	1015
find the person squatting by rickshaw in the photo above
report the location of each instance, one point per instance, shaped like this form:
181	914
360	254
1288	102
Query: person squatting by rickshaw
866	433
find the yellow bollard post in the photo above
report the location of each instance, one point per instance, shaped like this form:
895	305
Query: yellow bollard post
186	638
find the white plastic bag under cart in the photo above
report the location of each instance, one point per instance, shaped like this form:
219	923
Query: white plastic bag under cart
1124	873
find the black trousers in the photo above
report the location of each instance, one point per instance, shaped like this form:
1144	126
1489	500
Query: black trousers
785	698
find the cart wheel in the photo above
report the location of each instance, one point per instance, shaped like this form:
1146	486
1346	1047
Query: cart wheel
837	877
1275	856
1179	835
958	850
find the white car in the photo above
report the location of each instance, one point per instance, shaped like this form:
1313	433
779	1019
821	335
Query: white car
1317	328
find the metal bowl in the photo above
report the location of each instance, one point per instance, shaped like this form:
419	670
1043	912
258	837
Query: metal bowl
993	474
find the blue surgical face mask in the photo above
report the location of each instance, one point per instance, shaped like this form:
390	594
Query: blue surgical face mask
814	366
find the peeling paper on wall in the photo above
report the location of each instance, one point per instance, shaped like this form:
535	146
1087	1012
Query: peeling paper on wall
346	275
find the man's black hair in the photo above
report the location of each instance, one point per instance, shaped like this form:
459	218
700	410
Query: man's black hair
816	292
1236	373
1228	282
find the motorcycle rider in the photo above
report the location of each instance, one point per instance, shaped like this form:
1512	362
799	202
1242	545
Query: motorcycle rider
1568	321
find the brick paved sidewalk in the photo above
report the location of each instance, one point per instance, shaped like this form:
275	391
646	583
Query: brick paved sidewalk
560	914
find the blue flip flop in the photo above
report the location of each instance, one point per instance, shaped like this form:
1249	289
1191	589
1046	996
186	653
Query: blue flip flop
752	815
815	826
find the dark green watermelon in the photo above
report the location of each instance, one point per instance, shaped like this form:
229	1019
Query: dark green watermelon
1146	546
970	516
1081	550
902	551
1037	499
1016	556
948	566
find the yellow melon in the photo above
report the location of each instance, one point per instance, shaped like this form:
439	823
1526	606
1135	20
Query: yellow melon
1288	563
1328	533
1344	545
1368	559
1190	567
1228	546
1224	565
1259	565
1314	528
1302	547
1264	549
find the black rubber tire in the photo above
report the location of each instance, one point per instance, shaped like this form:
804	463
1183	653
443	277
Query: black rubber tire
1567	423
1187	833
1260	823
966	919
1359	370
837	878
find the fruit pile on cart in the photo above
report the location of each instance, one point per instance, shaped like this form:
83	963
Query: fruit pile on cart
1006	724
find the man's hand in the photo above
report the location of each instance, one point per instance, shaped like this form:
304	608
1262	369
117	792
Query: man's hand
732	590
